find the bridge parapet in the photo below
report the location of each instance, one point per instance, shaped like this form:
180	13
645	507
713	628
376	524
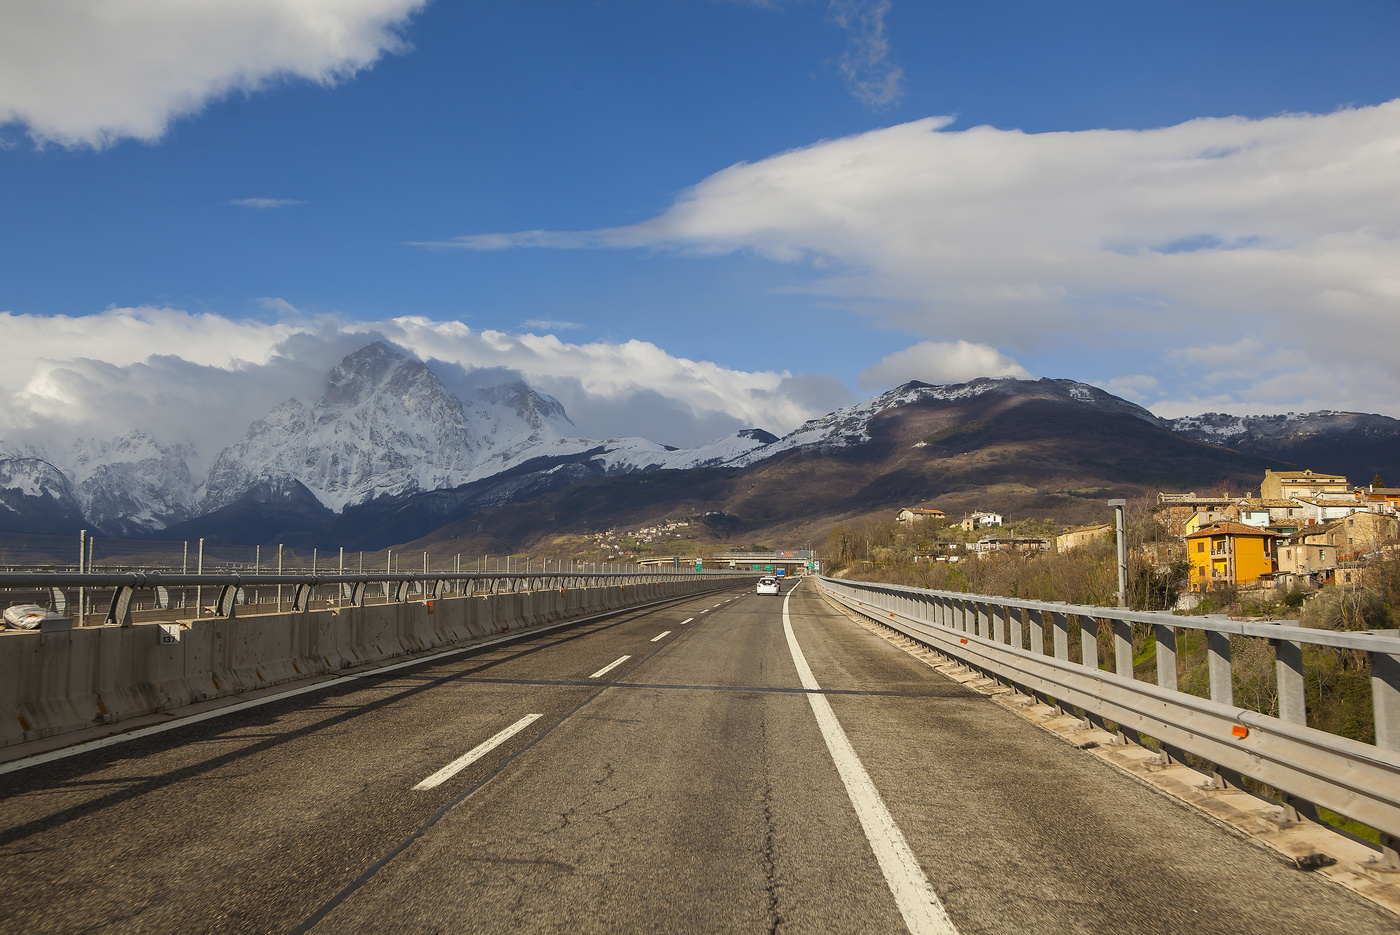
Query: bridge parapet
60	678
1030	646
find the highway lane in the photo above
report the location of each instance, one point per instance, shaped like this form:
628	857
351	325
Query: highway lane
688	787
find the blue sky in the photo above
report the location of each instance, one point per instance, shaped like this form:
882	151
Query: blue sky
284	182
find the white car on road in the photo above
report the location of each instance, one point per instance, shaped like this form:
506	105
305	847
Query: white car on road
768	585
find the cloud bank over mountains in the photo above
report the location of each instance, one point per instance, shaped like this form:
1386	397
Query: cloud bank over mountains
92	72
204	378
1169	246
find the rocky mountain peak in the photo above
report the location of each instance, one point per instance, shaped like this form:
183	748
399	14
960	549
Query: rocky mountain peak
533	408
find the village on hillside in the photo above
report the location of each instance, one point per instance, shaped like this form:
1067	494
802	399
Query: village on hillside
1300	530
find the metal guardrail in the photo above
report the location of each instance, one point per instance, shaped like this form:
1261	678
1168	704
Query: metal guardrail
1005	639
351	587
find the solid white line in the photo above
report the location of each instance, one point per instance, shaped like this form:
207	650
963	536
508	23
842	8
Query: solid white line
920	906
686	620
610	666
476	753
662	635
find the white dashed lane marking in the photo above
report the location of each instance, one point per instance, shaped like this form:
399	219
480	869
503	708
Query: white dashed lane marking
477	752
610	666
662	635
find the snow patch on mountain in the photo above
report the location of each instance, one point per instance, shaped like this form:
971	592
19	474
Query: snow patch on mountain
1222	428
851	425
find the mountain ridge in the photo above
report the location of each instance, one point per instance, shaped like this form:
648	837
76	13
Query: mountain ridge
387	442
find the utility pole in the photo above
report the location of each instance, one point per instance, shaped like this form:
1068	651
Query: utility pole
1122	538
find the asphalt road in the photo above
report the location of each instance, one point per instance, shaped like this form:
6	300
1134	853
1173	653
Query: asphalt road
695	786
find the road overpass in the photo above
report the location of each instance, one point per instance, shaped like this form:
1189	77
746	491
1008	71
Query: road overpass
718	762
791	561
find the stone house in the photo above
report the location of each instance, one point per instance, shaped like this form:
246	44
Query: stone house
1084	535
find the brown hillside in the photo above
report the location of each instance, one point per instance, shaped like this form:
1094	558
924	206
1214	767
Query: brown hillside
1022	456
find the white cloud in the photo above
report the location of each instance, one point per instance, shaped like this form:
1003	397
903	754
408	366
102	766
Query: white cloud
545	324
1138	387
204	378
262	204
939	362
279	305
870	75
611	376
1137	243
91	72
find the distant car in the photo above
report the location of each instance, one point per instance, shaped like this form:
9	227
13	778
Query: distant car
768	585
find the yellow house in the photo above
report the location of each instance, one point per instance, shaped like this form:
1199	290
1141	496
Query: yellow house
1230	554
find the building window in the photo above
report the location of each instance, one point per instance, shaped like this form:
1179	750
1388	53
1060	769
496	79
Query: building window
1201	546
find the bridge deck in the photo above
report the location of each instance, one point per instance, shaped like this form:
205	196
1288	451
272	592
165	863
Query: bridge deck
689	787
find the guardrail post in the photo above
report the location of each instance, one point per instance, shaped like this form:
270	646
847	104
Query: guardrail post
228	598
1088	641
119	611
1037	628
1017	615
1222	686
1166	655
1288	668
999	614
1061	622
1385	696
984	619
1123	648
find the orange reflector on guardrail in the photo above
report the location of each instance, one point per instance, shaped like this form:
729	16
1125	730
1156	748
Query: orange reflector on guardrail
430	607
1240	731
963	640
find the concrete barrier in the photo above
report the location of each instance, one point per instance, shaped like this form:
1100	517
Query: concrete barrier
61	680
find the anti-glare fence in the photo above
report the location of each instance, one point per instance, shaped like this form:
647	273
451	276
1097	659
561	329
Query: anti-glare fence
1121	670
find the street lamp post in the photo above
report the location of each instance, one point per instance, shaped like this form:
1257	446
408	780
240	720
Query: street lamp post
1122	551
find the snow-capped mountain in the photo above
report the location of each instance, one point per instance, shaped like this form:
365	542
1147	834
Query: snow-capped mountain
1222	429
129	485
1356	444
384	426
851	425
386	438
134	483
35	494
